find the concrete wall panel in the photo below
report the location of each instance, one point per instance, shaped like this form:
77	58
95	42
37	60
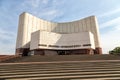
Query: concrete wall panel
55	40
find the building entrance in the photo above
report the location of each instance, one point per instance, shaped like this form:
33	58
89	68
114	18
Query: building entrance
25	52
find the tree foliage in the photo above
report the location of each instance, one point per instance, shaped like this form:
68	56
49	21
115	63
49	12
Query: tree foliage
115	51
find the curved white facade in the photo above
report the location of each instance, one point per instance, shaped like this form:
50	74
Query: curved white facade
29	24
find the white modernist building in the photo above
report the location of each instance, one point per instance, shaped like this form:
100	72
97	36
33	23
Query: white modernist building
40	37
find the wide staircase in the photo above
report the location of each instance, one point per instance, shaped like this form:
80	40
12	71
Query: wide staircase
65	67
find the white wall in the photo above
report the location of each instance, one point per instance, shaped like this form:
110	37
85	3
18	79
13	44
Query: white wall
34	40
50	38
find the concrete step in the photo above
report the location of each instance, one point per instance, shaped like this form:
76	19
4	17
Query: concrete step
37	58
63	74
112	78
70	76
102	70
57	68
60	71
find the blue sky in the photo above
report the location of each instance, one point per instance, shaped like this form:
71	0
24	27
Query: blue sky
107	12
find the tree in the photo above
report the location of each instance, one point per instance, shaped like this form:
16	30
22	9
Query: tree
115	51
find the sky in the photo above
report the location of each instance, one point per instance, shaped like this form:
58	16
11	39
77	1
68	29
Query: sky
106	11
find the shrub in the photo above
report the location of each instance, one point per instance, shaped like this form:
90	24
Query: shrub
115	51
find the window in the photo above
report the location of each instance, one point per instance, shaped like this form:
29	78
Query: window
53	46
44	45
86	44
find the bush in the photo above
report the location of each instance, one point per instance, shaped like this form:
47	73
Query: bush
115	51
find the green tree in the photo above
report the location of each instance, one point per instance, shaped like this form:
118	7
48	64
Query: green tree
115	51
